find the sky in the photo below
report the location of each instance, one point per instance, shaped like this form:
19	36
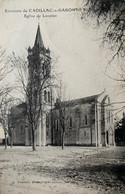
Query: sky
74	42
70	40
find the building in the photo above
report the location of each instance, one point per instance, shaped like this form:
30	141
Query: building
19	133
38	87
88	121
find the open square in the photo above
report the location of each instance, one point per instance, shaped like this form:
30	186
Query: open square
53	170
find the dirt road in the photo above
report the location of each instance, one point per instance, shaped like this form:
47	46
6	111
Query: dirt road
81	170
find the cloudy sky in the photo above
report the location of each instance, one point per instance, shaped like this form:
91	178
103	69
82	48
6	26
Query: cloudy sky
75	42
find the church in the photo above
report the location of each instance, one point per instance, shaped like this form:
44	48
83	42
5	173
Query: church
88	121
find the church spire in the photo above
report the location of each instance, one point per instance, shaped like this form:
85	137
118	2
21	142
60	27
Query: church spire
38	40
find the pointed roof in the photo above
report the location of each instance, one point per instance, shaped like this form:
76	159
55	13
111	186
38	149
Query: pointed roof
38	40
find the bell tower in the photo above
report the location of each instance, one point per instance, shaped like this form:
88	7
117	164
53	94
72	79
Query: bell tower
40	69
39	57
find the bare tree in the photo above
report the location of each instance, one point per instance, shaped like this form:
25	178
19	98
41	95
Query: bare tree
64	111
111	14
6	102
65	118
32	83
5	90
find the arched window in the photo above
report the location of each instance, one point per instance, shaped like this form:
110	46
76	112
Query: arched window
70	122
45	95
108	100
44	69
109	115
48	96
56	124
84	133
86	122
21	130
78	116
47	120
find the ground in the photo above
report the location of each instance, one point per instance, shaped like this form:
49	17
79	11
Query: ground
74	170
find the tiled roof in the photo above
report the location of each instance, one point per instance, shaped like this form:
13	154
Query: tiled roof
78	101
86	99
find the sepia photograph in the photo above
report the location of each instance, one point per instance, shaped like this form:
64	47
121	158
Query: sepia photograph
62	97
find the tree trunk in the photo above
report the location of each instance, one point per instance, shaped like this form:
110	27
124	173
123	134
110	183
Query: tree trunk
33	140
63	139
11	138
5	140
11	143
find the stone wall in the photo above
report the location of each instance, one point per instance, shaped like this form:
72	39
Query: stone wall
82	131
18	128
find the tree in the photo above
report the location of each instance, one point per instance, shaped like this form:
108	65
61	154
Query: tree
5	90
7	101
120	131
4	117
63	112
110	16
65	118
31	82
110	13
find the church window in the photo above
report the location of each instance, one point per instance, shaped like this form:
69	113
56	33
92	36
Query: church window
45	95
78	116
84	133
70	122
86	122
21	130
108	100
56	125
44	69
48	96
109	115
47	120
